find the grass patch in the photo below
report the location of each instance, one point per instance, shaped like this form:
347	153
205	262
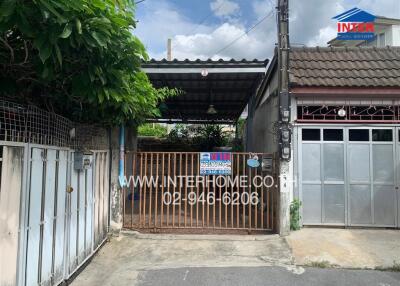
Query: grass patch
320	264
394	268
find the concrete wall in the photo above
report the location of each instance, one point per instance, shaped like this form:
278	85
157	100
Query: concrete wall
116	199
260	125
262	136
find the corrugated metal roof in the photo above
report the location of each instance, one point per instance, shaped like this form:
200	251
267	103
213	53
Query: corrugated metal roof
175	63
227	86
345	67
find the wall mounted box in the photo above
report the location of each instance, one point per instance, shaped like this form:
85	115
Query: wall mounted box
82	161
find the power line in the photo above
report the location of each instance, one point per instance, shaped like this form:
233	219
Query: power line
245	33
140	1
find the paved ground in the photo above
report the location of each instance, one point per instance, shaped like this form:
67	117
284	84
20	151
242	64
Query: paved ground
162	259
349	248
266	276
124	258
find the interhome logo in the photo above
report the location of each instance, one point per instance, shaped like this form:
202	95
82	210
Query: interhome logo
355	24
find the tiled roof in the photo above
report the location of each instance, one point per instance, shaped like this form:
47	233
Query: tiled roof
345	67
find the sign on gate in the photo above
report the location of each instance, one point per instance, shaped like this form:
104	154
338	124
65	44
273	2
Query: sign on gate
215	163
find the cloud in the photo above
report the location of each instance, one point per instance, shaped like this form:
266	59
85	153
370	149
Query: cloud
224	8
206	46
259	43
324	36
160	20
310	24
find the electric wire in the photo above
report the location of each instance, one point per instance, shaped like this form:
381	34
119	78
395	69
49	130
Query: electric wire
245	33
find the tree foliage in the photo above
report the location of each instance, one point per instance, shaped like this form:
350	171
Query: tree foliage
78	58
153	130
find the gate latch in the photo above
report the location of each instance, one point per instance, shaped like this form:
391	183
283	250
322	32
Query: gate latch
70	189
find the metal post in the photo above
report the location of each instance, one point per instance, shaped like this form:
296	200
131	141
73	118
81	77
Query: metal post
121	155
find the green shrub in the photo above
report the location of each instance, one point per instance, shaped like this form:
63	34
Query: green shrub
295	215
155	130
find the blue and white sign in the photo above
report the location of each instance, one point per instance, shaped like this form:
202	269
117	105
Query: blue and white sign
215	163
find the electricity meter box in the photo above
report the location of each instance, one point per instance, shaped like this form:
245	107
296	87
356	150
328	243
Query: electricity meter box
82	161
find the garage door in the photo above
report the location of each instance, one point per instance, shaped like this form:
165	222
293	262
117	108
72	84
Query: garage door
348	176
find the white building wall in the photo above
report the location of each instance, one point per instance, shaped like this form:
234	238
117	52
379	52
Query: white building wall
395	34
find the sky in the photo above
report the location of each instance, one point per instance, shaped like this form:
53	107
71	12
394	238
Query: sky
206	28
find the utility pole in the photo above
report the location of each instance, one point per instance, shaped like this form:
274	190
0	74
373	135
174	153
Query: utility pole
286	175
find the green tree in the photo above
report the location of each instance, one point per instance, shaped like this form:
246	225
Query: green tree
78	58
154	130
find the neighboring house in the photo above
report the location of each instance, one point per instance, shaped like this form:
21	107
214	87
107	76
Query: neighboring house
346	133
387	33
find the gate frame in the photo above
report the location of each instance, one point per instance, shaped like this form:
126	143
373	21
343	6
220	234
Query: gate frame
274	190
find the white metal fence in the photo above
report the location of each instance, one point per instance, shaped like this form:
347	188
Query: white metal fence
52	217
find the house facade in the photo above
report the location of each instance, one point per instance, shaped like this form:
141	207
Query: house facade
345	116
387	33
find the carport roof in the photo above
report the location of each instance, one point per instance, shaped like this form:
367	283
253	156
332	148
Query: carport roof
227	86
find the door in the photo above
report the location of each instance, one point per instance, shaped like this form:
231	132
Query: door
323	176
349	176
371	183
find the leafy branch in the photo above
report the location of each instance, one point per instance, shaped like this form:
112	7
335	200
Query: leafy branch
78	57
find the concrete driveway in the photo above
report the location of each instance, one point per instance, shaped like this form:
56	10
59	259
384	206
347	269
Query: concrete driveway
347	248
162	259
266	276
121	261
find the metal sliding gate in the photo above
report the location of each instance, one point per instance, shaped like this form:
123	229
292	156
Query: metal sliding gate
165	191
52	216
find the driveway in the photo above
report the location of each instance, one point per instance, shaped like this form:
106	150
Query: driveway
162	259
125	258
266	276
347	248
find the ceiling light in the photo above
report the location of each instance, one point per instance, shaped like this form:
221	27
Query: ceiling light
211	109
342	112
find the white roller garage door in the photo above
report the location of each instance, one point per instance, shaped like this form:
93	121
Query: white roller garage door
348	175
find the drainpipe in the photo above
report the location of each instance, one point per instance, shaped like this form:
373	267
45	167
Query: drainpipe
121	155
109	176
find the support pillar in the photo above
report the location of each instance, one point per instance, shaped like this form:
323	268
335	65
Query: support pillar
285	187
115	191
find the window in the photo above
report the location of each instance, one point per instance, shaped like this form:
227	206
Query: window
382	135
333	134
311	134
381	40
358	135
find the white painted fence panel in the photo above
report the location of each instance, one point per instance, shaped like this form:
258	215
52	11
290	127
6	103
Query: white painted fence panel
35	203
59	250
73	219
89	211
96	199
60	227
10	194
48	218
81	217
